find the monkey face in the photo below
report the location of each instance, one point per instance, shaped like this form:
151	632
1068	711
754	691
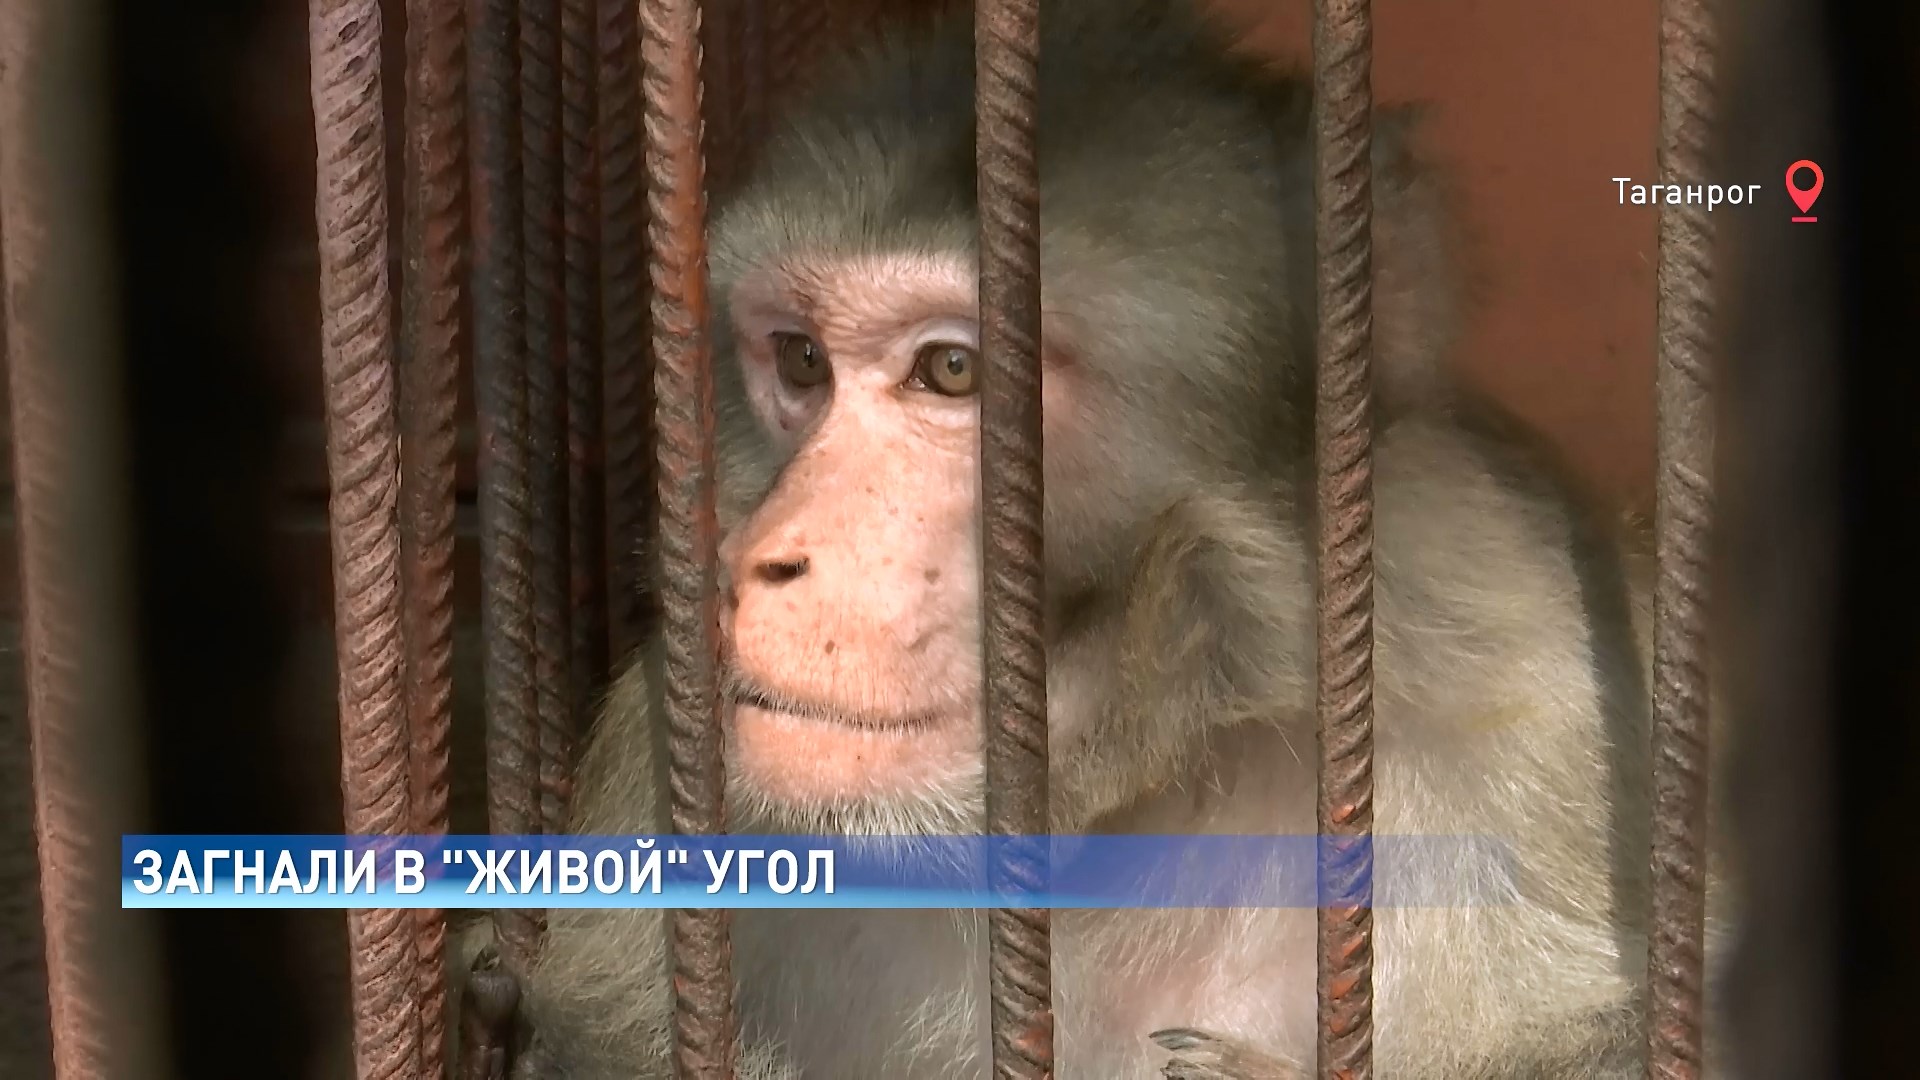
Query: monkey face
850	609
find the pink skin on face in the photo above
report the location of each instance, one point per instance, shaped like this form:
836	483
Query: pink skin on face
851	614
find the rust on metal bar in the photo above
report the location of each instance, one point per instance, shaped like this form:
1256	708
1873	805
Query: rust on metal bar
432	311
1013	582
500	399
363	461
585	386
1343	422
623	328
542	240
70	464
689	532
1683	517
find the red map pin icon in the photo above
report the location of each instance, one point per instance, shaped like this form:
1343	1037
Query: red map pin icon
1803	197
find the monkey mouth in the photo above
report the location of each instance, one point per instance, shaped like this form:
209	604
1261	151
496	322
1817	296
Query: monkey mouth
742	689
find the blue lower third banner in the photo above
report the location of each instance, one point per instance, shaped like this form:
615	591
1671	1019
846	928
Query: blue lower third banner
813	872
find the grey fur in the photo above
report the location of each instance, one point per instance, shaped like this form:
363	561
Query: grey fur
1177	256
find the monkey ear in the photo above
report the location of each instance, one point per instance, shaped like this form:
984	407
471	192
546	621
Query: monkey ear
1419	289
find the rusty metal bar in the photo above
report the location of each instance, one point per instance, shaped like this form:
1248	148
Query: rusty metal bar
432	309
1683	516
70	464
585	385
1343	423
543	214
624	331
363	461
500	399
689	532
1013	581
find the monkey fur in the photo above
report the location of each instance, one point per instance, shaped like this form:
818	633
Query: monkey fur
1178	319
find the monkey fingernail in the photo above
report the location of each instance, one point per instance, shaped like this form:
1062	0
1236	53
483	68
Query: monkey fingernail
1178	1038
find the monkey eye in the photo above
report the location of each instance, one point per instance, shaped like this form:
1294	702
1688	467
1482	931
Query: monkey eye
951	370
800	360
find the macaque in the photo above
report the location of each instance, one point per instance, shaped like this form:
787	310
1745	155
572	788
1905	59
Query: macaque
1178	327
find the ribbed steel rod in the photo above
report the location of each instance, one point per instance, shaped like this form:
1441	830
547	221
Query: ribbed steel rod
357	357
1343	422
1013	581
625	337
70	465
432	312
585	378
1683	519
689	531
542	239
500	400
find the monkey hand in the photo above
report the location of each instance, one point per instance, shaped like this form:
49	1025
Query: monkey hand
1198	1055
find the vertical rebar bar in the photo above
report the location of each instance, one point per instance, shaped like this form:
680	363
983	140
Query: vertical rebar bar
585	388
624	334
70	464
364	464
500	399
1683	517
432	310
689	533
542	239
1343	423
1013	581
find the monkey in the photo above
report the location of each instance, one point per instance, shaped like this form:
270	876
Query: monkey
1177	261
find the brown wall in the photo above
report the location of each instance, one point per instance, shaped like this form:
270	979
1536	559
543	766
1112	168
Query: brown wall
1533	107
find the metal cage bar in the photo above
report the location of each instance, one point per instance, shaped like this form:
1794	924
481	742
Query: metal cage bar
1343	440
689	533
627	360
544	278
587	599
434	237
1683	519
363	461
500	400
70	463
1013	581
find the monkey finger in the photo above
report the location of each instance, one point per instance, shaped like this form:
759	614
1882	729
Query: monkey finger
1198	1055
